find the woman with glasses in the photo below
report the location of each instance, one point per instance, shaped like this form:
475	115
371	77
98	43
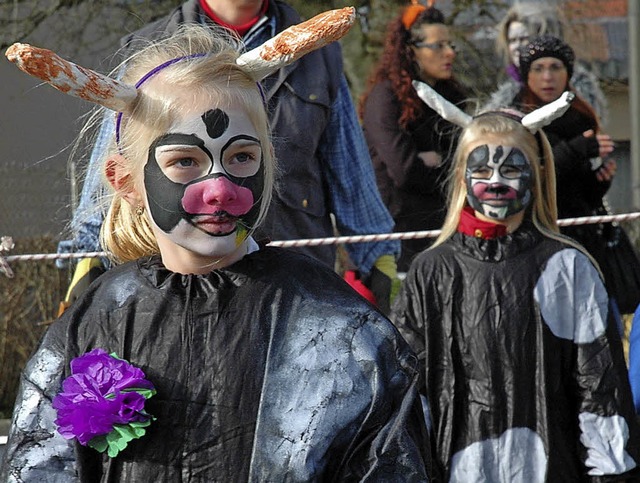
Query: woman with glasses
410	143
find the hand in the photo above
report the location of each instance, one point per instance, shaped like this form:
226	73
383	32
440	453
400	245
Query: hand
607	170
605	143
431	159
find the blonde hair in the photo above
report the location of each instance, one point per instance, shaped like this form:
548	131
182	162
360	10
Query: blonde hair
191	80
543	211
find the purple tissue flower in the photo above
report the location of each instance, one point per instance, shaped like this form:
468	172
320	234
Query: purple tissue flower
110	374
100	393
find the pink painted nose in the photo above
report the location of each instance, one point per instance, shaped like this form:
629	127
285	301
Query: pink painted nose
216	194
219	191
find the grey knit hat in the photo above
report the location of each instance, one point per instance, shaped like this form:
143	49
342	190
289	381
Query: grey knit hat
545	46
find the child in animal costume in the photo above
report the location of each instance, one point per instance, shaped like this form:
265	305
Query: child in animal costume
524	373
203	356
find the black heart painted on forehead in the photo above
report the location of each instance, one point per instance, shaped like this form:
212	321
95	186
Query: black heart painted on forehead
216	121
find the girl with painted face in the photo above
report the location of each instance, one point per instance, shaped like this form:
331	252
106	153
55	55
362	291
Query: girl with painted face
266	366
524	374
498	182
195	183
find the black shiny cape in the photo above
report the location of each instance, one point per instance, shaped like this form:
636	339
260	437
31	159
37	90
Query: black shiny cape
525	375
271	369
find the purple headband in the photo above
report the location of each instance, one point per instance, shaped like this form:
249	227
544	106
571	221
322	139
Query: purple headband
157	69
148	76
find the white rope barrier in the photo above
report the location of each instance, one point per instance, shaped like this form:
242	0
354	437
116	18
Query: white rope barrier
332	240
54	256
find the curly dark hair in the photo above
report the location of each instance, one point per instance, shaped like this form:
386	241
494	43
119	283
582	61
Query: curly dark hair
397	64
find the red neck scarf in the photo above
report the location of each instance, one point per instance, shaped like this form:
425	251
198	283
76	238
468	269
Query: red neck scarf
241	30
472	226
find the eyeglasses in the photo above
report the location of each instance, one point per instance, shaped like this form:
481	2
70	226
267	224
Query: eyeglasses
552	69
435	46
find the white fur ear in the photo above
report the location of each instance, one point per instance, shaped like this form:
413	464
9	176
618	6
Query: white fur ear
546	114
446	109
122	179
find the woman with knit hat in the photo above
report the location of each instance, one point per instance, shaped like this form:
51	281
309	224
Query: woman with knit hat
546	65
582	153
523	21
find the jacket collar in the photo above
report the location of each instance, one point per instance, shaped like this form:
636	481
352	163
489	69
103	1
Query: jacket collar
499	249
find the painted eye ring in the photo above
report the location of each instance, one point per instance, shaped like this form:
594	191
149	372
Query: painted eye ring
183	167
511	172
482	173
248	147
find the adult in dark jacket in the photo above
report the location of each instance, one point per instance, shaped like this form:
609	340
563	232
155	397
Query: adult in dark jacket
524	372
323	164
410	143
266	366
546	63
582	155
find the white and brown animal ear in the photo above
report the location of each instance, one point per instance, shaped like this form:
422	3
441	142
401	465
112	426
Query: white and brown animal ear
71	78
283	49
297	41
446	109
546	114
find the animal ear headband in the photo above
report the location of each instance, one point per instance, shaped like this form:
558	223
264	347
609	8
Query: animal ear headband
533	121
279	51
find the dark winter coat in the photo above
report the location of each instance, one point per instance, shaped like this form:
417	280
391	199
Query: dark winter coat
272	369
525	375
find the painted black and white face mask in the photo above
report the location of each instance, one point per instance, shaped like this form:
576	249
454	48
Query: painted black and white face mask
498	180
204	180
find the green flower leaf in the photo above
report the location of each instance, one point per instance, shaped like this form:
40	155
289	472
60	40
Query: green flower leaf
99	443
118	439
147	393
